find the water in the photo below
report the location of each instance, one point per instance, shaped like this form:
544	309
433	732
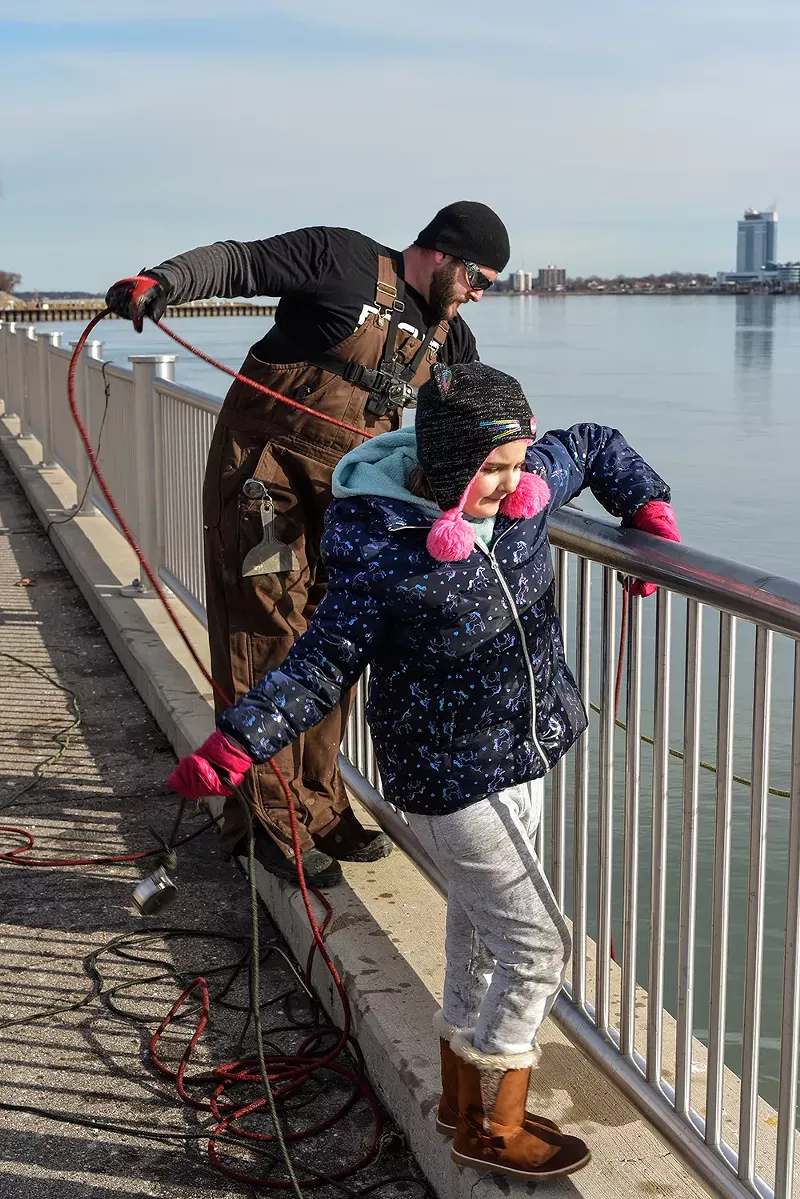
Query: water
707	389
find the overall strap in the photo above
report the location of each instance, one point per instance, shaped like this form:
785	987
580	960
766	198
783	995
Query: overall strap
386	291
390	294
390	290
434	335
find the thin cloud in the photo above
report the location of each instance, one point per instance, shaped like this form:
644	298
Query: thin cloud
596	154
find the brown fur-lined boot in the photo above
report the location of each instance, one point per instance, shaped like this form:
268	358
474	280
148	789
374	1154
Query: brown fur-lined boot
447	1114
491	1134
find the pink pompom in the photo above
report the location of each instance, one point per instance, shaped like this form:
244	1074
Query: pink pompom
531	496
451	539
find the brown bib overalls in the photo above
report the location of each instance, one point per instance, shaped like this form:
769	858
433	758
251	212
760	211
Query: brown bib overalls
253	621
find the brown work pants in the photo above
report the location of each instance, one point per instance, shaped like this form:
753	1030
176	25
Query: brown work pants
253	622
279	607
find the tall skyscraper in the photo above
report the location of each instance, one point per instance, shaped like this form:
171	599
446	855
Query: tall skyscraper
756	241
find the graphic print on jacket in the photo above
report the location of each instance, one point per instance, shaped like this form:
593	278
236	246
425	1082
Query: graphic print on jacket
469	692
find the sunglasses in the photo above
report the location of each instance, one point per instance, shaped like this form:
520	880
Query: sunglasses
476	278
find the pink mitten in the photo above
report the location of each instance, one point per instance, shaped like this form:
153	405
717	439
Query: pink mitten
212	769
655	517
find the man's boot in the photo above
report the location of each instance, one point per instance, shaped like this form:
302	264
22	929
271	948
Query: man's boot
491	1135
319	870
447	1114
350	841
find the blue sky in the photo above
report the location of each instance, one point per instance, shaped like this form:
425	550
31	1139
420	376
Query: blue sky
615	136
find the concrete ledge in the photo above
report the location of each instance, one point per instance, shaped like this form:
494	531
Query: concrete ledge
387	935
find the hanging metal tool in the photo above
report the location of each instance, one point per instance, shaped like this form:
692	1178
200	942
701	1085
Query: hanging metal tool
158	889
271	556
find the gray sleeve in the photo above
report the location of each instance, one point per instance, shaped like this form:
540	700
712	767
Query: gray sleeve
276	266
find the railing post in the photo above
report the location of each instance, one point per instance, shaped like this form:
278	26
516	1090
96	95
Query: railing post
658	847
689	834
11	375
147	416
29	334
52	338
754	939
83	468
5	346
790	1004
718	997
580	871
605	804
630	870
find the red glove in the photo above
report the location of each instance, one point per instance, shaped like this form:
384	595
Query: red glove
657	518
213	769
134	299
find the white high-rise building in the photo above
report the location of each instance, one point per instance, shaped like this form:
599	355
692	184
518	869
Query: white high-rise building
756	241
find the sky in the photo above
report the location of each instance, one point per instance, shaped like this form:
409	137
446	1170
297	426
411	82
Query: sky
621	136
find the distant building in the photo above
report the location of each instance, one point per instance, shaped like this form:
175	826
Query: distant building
552	277
521	281
756	241
773	272
756	250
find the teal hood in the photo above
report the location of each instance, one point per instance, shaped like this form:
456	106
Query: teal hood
381	466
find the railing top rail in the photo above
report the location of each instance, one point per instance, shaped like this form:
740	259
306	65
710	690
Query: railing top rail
111	369
200	399
735	587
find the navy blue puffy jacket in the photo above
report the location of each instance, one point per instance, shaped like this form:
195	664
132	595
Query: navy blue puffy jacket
469	690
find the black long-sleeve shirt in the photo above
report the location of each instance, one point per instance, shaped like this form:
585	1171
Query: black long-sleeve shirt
325	278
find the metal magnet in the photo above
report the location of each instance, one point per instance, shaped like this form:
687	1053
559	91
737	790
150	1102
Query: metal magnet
154	892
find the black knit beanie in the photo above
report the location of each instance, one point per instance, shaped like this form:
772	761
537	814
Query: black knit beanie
464	412
468	230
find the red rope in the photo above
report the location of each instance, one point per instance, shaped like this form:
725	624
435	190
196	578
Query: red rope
290	1071
17	855
226	370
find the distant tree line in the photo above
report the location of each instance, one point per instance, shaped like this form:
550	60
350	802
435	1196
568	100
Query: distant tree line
58	295
680	280
677	278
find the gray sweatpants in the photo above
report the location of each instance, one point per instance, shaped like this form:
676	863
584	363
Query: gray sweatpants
507	944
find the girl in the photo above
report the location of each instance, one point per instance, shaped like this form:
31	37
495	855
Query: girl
441	580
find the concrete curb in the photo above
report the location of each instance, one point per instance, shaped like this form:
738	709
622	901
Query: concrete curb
386	938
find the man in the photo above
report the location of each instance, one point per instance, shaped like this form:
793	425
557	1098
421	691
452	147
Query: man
356	332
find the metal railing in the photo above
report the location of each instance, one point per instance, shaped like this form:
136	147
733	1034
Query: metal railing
672	839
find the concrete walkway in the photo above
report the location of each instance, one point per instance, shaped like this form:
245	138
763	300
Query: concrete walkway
99	797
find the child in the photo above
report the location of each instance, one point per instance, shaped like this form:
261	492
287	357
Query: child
441	581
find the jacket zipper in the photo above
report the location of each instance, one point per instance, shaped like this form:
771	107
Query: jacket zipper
515	614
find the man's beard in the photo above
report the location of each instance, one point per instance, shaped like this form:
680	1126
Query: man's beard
442	291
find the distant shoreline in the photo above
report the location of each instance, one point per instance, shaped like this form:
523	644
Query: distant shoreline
610	291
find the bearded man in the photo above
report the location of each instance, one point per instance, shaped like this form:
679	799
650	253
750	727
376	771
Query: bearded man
357	330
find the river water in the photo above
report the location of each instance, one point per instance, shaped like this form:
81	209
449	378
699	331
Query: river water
707	389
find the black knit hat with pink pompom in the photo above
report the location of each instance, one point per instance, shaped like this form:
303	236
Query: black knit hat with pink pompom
464	412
